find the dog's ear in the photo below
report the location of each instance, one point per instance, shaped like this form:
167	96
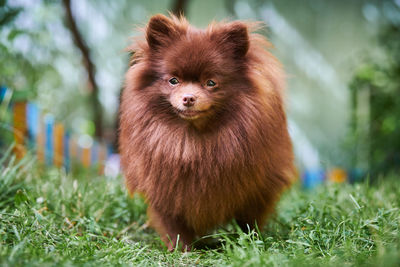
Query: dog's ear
235	37
161	31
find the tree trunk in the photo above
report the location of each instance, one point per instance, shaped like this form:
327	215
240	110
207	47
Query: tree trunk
179	7
90	69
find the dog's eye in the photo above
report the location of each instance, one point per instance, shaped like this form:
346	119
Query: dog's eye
211	83
173	81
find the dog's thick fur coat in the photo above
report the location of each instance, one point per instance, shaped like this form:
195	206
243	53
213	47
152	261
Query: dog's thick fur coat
231	162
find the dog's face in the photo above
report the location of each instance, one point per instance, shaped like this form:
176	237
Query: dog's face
197	71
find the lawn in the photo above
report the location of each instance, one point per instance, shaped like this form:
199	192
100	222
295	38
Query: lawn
49	218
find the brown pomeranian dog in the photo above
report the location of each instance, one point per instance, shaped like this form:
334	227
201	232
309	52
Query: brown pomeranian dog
203	131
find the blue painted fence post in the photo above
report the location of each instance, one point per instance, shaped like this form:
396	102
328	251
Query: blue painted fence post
313	177
49	143
33	123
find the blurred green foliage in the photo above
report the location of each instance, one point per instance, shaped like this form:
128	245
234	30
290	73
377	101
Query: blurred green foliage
379	140
7	14
18	70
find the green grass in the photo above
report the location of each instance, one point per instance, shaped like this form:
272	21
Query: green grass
48	218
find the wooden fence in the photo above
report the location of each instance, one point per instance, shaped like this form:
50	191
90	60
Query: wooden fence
56	145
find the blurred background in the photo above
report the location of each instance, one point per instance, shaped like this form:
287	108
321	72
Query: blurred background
342	60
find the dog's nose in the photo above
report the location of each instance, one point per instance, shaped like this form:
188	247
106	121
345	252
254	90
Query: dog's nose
188	100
